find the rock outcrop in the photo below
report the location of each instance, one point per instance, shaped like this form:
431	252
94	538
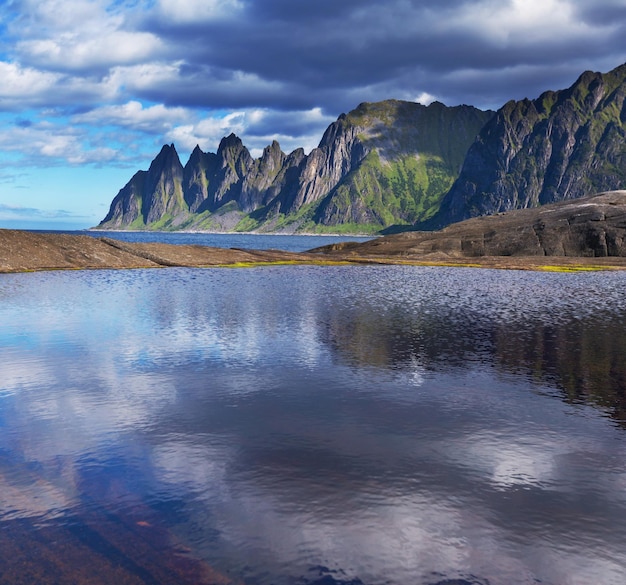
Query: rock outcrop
24	251
591	227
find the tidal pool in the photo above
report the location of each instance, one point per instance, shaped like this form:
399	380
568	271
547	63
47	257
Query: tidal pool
331	425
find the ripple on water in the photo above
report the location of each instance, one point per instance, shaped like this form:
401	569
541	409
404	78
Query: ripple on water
316	425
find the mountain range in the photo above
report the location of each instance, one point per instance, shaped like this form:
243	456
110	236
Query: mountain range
395	165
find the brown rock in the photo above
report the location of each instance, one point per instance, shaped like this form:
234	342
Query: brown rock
22	251
591	227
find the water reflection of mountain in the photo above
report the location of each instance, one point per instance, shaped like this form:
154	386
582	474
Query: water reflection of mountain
581	356
585	358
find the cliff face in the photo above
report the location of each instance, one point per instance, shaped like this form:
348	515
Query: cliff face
382	164
151	197
563	145
409	159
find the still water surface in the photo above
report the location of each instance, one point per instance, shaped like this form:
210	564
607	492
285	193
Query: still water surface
280	425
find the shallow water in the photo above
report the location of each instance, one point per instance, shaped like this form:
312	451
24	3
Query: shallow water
313	425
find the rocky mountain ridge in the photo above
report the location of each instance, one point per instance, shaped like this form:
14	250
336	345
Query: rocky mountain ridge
392	165
381	164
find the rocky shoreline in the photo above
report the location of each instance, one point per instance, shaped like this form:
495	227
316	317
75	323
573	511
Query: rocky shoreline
22	251
589	231
581	234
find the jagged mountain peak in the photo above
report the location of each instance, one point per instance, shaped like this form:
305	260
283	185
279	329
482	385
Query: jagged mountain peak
272	151
378	148
168	151
274	147
232	141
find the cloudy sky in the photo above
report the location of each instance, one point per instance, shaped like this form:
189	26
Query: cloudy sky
91	89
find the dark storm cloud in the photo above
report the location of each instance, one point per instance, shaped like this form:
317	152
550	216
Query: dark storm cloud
290	124
603	13
291	55
299	63
300	55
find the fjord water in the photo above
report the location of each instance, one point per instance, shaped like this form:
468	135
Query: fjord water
311	424
287	243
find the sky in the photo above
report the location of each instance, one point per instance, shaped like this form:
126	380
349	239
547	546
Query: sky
92	89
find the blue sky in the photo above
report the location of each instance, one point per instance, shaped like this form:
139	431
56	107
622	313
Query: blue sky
91	89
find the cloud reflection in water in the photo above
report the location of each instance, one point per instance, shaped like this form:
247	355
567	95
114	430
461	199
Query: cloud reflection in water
392	423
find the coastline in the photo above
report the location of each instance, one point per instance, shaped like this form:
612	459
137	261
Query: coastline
22	251
217	233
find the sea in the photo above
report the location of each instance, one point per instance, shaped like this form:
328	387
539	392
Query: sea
288	243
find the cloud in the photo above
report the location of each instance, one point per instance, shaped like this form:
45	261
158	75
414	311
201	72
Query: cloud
425	98
231	54
79	52
277	55
48	36
195	11
207	132
519	22
333	50
610	13
257	128
264	122
48	143
181	84
17	212
154	119
29	87
19	82
10	177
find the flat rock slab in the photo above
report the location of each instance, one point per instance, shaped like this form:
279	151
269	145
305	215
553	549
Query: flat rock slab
22	251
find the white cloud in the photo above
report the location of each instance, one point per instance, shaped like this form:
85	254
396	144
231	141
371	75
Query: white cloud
133	114
23	87
145	76
19	82
80	34
524	21
75	51
48	143
194	11
208	132
57	15
257	128
425	98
